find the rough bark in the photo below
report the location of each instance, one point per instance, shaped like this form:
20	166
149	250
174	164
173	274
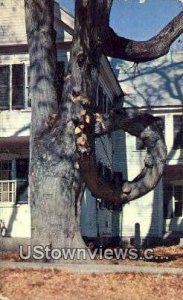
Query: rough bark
55	181
142	125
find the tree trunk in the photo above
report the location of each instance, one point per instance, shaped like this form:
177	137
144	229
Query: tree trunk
56	186
55	183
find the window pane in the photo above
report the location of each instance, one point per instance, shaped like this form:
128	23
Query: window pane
28	87
178	201
178	208
18	86
22	192
168	201
178	132
4	86
22	167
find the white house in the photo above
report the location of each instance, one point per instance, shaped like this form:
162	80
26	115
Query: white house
15	115
155	87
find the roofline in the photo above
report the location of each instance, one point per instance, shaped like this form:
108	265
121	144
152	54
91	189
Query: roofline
66	11
115	77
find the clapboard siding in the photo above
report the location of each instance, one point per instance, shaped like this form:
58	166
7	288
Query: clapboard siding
146	211
17	219
12	23
105	222
15	123
88	216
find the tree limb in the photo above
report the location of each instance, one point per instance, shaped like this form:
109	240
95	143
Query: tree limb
142	51
144	126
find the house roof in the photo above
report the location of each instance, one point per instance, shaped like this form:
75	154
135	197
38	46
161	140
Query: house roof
153	84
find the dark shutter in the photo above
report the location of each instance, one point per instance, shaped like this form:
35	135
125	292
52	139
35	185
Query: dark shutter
178	132
22	167
4	87
60	78
18	86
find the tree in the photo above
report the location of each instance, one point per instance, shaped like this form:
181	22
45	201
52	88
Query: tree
63	131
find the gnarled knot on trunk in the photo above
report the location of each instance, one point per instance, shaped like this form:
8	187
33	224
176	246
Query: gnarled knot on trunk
149	162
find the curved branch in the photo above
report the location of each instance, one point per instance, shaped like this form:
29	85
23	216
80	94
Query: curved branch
141	51
144	126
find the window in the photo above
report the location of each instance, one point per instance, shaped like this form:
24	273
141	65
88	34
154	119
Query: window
178	132
178	195
18	86
28	96
5	170
22	168
168	201
12	86
173	201
14	185
161	123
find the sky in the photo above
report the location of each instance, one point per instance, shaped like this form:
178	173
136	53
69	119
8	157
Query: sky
136	20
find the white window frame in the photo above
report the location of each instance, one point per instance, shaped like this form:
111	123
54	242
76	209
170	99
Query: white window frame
26	94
